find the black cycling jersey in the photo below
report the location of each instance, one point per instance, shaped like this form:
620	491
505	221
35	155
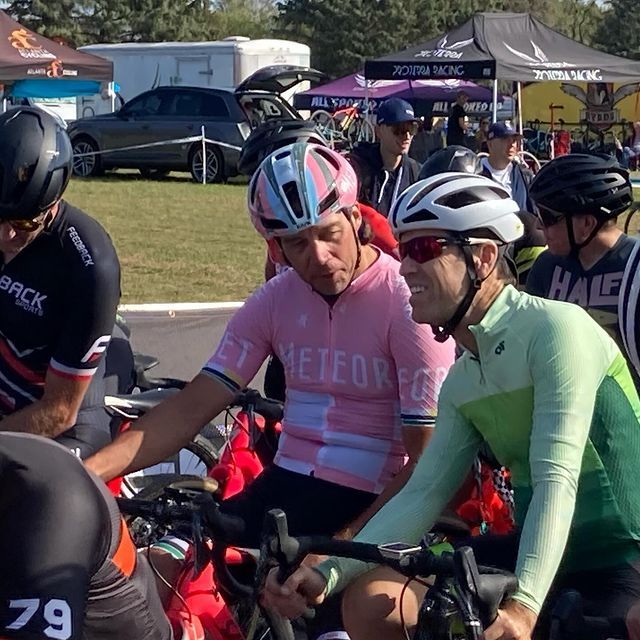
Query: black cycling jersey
596	289
58	300
68	568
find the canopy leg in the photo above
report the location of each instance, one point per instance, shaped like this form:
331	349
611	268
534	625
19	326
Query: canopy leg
495	100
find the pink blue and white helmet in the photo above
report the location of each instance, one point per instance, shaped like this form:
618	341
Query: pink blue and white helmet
296	186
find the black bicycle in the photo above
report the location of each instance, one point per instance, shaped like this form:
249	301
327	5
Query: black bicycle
464	598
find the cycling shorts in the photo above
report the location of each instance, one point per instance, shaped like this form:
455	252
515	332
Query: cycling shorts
608	593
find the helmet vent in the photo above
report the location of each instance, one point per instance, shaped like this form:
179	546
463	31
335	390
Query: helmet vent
292	195
420	216
329	200
461	199
272	224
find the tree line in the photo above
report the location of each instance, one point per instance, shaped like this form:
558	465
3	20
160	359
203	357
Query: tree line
341	33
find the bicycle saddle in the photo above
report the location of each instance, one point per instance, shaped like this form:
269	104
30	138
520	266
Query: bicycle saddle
138	403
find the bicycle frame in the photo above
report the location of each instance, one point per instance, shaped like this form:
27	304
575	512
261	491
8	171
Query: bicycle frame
198	608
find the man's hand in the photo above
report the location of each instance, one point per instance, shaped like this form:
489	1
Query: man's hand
303	588
514	622
633	622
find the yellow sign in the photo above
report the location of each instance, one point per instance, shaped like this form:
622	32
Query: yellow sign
594	105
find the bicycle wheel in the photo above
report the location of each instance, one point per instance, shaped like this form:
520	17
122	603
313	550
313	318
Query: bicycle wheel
361	130
326	125
530	161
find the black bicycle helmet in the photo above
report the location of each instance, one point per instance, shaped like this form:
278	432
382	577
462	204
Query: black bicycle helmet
273	135
35	162
454	158
579	183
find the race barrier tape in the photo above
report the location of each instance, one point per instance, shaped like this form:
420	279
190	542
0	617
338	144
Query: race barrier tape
159	144
201	138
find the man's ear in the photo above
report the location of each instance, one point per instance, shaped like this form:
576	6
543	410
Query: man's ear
356	214
488	257
275	252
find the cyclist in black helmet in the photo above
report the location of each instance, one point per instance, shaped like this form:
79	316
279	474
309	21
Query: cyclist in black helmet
69	569
273	135
461	159
579	198
59	288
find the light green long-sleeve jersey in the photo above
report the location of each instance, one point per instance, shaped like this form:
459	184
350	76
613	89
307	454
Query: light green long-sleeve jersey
553	397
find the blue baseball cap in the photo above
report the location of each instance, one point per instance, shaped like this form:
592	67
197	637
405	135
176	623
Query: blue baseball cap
395	110
500	130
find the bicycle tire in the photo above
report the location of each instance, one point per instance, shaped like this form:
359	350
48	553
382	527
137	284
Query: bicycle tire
361	130
204	449
327	125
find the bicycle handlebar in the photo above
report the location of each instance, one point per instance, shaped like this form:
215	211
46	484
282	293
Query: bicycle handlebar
219	526
481	590
251	400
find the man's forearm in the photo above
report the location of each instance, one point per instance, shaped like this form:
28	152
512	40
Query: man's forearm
39	419
163	431
394	486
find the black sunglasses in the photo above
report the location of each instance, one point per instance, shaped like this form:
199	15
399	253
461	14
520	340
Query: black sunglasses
549	217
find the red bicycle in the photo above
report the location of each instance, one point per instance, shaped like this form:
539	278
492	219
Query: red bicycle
345	127
212	598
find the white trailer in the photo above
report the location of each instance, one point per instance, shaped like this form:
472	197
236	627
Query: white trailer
221	64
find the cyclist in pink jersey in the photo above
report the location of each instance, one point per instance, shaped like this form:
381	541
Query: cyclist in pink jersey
362	377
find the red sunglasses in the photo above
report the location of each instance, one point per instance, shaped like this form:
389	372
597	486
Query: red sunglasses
423	248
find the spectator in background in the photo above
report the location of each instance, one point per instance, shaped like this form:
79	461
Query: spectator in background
502	164
481	136
384	169
631	149
457	123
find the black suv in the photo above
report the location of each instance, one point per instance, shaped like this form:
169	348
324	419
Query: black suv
173	113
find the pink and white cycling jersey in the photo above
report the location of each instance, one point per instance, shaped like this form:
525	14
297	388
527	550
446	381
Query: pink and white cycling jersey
356	372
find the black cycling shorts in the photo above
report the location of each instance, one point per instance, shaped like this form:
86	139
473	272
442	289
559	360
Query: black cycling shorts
313	506
68	568
608	593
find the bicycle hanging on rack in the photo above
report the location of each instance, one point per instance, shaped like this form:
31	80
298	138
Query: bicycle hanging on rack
345	127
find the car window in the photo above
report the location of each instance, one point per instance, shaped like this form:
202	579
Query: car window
214	106
146	105
186	104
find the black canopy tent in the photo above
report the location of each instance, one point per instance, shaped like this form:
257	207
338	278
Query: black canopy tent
503	46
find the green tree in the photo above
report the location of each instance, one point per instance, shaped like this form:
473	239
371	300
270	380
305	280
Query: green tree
579	19
250	18
619	31
62	18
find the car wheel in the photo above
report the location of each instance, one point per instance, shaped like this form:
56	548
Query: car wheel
215	164
88	165
153	174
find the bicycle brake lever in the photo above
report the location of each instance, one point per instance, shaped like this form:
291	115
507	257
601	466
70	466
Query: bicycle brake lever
201	554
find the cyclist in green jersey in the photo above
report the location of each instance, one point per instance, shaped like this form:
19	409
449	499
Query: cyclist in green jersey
551	394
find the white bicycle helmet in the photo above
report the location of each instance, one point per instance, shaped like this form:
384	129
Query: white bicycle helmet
458	203
464	207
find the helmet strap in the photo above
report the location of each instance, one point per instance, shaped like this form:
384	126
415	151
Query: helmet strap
575	246
441	334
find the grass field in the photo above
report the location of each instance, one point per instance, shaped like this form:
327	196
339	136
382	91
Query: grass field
179	241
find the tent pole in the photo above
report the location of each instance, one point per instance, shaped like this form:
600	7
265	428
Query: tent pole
495	100
519	89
